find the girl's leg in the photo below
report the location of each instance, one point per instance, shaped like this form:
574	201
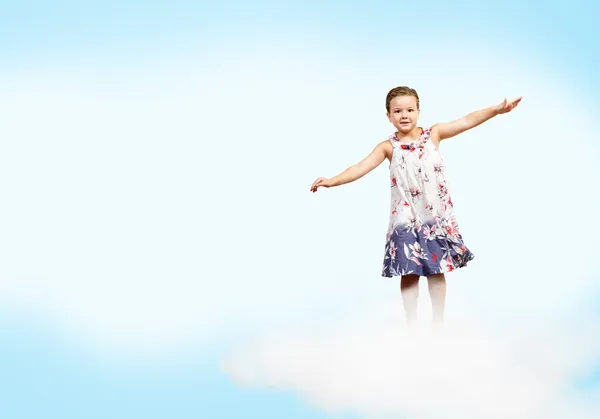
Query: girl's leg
437	293
409	287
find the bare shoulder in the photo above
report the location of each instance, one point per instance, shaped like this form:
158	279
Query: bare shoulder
434	135
387	148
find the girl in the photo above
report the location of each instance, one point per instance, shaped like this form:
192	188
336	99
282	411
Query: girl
423	237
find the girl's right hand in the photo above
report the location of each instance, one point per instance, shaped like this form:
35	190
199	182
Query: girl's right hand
322	181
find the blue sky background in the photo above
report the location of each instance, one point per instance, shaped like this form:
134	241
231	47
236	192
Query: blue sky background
562	33
44	374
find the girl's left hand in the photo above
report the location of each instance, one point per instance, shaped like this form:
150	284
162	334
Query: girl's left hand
508	106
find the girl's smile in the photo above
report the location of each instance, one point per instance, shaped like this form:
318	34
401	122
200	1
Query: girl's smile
404	114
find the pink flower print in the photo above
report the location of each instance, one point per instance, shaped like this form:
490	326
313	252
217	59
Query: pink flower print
438	169
451	232
412	221
447	264
429	232
452	229
429	206
442	189
459	249
414	253
394	183
417	250
415	193
450	202
434	257
393	250
416	261
417	227
406	204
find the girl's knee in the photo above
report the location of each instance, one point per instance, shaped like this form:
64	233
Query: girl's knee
409	281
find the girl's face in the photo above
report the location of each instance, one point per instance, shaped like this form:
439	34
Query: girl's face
404	113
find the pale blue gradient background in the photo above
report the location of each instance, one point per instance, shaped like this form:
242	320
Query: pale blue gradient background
45	376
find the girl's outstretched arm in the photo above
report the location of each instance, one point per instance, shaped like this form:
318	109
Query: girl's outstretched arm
356	171
445	130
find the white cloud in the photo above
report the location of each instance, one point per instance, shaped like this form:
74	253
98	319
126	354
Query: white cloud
371	365
167	204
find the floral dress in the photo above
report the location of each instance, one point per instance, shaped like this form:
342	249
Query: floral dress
422	236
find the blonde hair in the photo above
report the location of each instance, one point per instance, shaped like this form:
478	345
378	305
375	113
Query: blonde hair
400	91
